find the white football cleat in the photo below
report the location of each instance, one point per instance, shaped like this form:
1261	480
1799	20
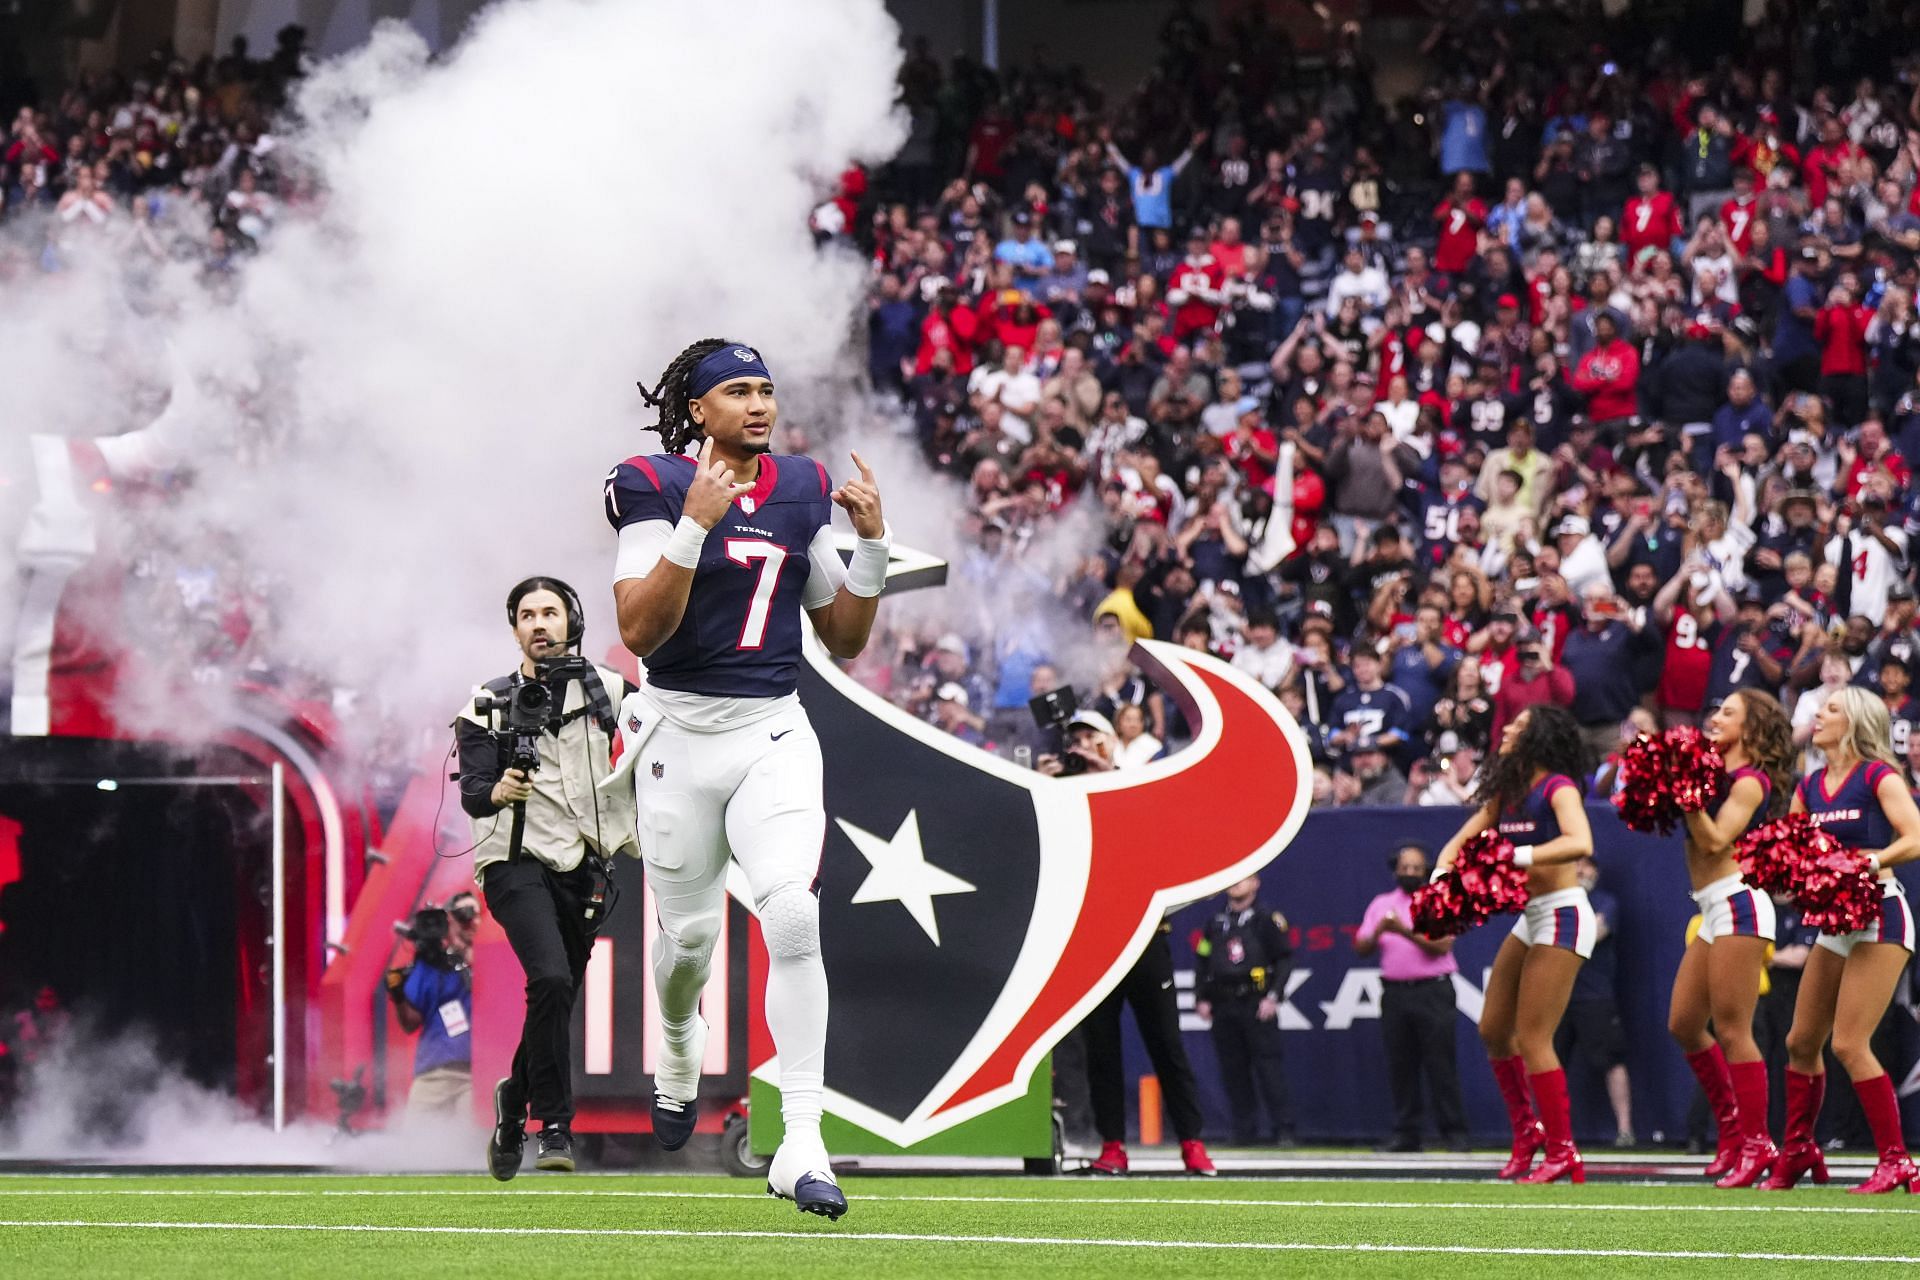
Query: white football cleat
802	1173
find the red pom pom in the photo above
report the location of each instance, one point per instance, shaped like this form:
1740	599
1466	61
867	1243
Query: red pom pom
1482	883
1663	777
1835	888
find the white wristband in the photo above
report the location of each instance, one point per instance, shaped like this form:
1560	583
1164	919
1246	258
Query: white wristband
1523	855
1438	872
683	546
867	567
1873	862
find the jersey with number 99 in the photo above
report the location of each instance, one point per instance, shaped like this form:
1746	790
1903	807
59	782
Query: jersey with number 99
740	634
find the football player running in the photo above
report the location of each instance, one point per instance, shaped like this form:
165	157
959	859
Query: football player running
718	558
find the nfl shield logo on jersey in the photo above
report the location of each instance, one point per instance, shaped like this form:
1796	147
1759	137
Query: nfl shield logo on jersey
659	770
974	912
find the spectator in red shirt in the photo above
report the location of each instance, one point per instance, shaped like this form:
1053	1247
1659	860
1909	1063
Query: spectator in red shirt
1651	220
1460	215
950	325
1841	330
1609	376
1821	169
1251	447
1738	213
1538	679
1870	454
1194	289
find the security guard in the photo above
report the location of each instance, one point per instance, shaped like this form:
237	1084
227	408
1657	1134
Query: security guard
1244	957
543	840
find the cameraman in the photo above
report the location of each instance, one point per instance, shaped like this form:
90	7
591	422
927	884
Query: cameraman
1148	987
434	996
1091	743
554	715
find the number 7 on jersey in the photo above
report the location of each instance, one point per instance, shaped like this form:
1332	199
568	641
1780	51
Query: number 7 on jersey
772	556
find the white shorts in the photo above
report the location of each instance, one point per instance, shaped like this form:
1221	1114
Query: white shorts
751	794
1561	919
1895	924
1732	908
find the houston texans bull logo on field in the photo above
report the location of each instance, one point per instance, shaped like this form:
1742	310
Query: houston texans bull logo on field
975	911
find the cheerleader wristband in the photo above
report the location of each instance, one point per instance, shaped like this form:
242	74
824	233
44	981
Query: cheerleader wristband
1437	873
683	545
867	568
1523	855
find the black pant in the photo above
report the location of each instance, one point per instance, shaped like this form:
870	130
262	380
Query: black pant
542	911
1417	1021
1249	1054
1148	987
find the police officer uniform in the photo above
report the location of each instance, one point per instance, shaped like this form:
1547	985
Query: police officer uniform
1243	958
552	896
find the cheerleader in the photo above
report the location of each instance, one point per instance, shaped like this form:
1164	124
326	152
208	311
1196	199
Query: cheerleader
1720	973
1859	798
1532	794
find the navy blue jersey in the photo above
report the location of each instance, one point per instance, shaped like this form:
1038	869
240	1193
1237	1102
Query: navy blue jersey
1440	523
1851	811
1724	788
1734	669
1373	713
740	635
1533	821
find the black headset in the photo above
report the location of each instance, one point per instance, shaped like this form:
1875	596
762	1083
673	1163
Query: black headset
576	615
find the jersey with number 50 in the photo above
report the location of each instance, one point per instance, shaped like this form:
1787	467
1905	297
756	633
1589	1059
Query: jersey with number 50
740	634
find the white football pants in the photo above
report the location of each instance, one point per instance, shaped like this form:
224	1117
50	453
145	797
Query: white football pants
752	794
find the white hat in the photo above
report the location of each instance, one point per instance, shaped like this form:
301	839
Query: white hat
1573	524
1091	720
951	643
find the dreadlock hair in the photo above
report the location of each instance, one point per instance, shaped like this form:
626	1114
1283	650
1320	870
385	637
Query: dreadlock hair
1767	737
1551	741
671	396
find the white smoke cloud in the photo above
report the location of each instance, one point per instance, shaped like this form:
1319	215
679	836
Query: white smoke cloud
429	367
417	385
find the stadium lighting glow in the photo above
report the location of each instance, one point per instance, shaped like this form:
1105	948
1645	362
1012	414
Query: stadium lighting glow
107	784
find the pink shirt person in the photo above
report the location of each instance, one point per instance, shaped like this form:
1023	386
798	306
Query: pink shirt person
1401	958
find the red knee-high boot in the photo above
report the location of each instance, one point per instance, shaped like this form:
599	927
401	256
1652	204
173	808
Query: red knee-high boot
1710	1069
1799	1154
1528	1137
1882	1109
1757	1152
1556	1114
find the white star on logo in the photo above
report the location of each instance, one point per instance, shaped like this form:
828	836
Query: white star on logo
902	874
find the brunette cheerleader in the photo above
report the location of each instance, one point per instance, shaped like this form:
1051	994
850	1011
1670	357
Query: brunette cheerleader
1861	800
1531	793
1720	974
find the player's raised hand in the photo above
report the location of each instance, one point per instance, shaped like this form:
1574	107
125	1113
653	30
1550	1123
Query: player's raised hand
712	491
861	501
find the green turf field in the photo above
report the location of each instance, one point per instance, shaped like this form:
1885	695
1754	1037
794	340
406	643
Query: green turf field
551	1225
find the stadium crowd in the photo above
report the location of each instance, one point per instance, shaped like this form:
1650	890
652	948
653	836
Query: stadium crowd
1584	374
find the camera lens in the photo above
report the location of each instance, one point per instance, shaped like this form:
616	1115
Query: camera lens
533	696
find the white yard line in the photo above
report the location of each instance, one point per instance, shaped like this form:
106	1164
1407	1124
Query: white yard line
1052	1242
1770	1204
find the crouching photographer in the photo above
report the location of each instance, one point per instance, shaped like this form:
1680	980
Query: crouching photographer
534	745
433	995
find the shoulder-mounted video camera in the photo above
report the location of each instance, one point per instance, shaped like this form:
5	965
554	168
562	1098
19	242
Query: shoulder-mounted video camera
526	710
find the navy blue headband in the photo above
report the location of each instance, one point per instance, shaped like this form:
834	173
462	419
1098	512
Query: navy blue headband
726	364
